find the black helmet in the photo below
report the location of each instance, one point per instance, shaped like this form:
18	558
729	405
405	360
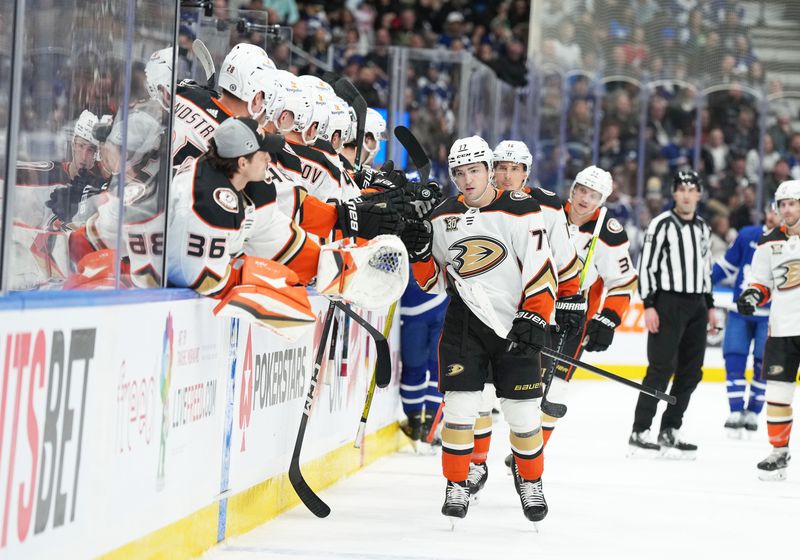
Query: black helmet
688	176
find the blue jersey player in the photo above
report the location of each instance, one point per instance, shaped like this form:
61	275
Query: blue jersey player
740	330
422	316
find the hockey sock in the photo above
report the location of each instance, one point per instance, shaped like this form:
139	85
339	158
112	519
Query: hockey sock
548	425
413	383
528	453
757	388
734	370
779	423
457	444
483	437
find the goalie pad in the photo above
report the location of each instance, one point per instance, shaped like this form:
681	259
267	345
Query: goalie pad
371	274
267	294
96	271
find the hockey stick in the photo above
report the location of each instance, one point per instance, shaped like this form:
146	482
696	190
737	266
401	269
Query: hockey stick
559	410
415	151
313	502
204	57
383	361
345	89
660	395
362	425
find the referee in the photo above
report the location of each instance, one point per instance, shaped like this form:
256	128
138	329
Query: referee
675	286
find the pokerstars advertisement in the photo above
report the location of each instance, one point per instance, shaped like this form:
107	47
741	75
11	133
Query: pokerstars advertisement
106	414
272	382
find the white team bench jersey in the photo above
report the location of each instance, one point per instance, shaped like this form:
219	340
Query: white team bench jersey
776	272
497	258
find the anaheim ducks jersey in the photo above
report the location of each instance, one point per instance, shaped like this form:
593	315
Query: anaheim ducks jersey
564	255
611	271
198	113
776	272
497	258
323	176
210	222
313	215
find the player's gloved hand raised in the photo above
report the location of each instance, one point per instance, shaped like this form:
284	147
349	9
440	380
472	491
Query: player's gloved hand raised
417	237
425	197
368	220
528	333
570	315
385	191
749	300
600	330
65	201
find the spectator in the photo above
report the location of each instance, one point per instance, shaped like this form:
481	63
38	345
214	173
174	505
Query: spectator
793	155
286	11
718	150
722	235
780	173
781	131
453	30
636	51
365	83
767	163
746	213
579	123
660	128
511	66
735	177
567	51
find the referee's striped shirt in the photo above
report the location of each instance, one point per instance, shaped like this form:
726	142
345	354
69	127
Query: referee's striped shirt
676	258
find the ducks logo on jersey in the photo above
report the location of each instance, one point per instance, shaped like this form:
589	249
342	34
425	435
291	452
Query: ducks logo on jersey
477	255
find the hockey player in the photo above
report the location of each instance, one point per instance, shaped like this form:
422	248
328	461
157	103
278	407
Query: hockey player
775	276
609	280
512	165
374	136
741	331
490	249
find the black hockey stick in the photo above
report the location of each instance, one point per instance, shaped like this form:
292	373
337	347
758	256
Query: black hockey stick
415	151
383	362
345	89
313	502
660	395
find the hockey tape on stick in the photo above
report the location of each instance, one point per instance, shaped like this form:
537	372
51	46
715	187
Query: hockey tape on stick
362	425
383	362
204	57
415	151
559	410
313	502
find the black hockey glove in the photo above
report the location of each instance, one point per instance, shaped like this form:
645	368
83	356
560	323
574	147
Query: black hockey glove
425	198
570	315
385	192
600	330
528	333
367	220
749	300
417	237
65	201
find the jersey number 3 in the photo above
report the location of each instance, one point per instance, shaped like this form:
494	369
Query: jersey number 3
197	246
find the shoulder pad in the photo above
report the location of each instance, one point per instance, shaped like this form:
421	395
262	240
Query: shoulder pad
613	233
288	159
517	203
450	205
775	234
312	154
325	146
261	193
216	202
546	198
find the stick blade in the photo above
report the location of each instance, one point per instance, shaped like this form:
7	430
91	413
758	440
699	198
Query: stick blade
556	410
415	151
313	502
383	364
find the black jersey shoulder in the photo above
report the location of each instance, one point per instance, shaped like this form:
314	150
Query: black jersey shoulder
346	163
260	193
325	146
775	234
612	233
196	93
517	203
312	154
215	200
287	159
450	205
546	198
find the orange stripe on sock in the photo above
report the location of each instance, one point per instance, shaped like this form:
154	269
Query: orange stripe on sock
546	433
779	433
455	467
530	469
481	450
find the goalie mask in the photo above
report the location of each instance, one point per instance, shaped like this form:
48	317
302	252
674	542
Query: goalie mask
371	275
472	149
596	179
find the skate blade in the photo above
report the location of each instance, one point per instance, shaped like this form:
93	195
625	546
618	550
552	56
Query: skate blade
734	433
635	452
453	522
535	526
672	454
772	476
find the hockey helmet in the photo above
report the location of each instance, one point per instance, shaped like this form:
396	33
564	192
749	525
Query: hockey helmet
513	151
269	82
596	179
319	113
243	74
339	120
158	74
472	149
374	124
84	127
788	190
688	176
297	102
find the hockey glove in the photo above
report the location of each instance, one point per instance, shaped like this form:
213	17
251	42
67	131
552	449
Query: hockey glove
570	315
425	198
367	220
417	237
600	330
749	300
385	192
65	201
528	333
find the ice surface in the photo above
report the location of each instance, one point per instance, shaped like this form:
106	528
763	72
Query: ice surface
602	504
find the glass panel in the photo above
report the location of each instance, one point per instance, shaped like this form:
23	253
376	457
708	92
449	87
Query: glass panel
548	157
6	40
86	70
781	144
580	124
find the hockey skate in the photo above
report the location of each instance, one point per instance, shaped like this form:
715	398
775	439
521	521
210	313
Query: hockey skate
672	447
773	468
531	496
456	501
478	475
412	428
423	447
750	421
510	463
734	425
640	446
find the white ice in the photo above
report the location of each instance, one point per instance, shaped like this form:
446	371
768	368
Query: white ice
602	504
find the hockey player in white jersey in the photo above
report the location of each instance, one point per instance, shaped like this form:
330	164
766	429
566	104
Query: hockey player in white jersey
512	163
489	249
775	277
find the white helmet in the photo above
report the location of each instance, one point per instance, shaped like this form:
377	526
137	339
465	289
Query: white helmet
319	113
596	179
243	74
158	74
297	102
375	124
472	149
515	152
269	82
339	120
84	127
788	190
